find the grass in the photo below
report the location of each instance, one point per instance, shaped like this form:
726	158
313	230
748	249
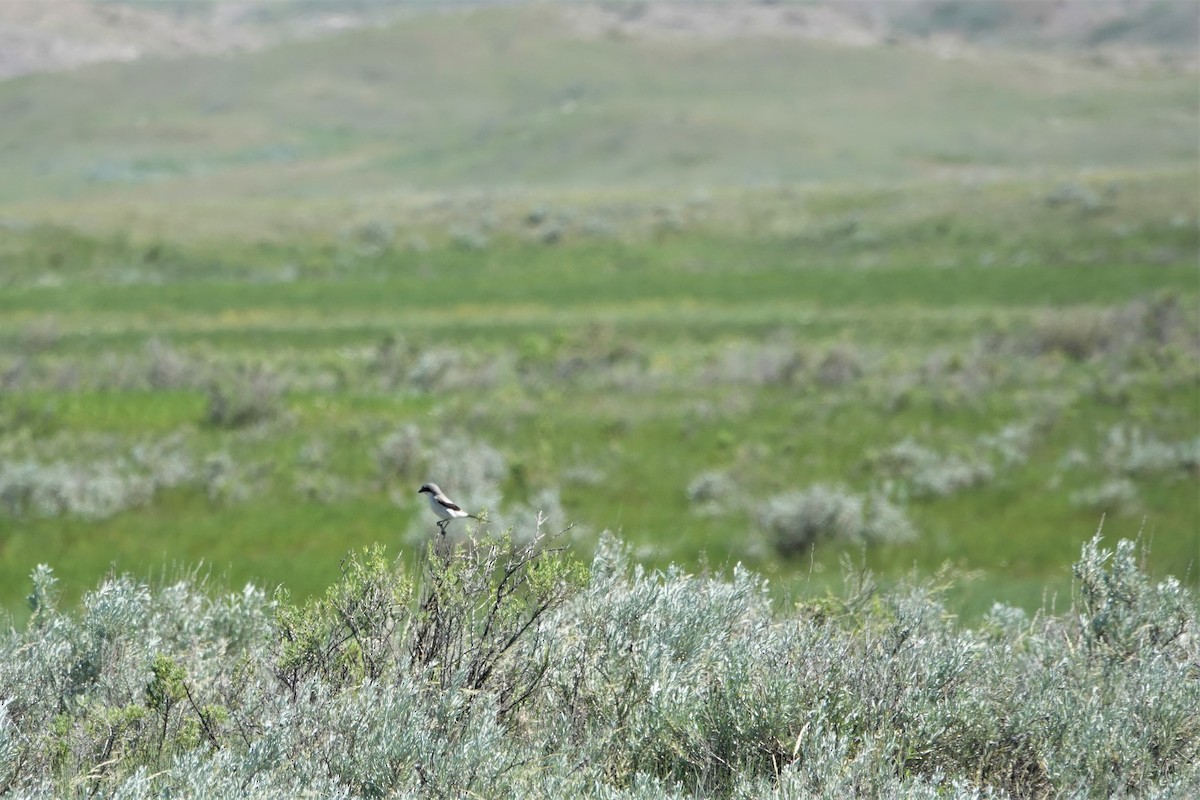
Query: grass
644	360
772	261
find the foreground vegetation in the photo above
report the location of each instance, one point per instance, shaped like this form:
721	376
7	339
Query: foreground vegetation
487	670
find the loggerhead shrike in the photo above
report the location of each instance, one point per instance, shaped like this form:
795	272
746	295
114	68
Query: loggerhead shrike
443	506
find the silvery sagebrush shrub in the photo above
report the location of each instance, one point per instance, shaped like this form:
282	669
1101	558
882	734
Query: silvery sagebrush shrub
1118	495
119	682
634	680
96	487
1145	325
436	368
841	364
773	363
1011	443
631	684
245	396
166	367
797	520
10	746
482	599
929	474
401	453
445	368
886	520
1132	451
1077	334
95	490
711	492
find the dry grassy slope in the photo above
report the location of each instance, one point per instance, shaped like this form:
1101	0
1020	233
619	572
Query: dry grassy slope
1164	24
514	98
56	35
64	34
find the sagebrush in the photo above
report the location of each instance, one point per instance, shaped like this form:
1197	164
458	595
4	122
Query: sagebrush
500	671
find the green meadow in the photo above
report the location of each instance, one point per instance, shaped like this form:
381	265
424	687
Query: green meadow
759	301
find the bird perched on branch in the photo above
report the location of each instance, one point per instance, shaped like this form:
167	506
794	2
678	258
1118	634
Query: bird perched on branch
446	509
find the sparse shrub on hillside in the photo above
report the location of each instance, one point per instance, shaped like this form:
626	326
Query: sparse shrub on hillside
711	492
1148	327
469	238
94	488
400	453
886	521
1132	451
928	474
1126	453
599	227
39	334
447	369
388	361
371	239
1159	320
771	363
167	367
1078	334
225	480
797	520
432	366
1116	495
951	375
595	356
1010	444
840	365
157	366
245	397
1075	195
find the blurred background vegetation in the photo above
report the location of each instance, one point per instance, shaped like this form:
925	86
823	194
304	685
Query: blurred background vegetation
911	282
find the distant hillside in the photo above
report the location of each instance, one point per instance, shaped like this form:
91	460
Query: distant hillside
1167	25
1170	25
515	97
54	35
38	36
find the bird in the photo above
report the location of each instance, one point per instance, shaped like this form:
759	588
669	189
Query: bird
446	509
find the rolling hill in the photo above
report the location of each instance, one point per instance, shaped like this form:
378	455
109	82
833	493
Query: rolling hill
516	98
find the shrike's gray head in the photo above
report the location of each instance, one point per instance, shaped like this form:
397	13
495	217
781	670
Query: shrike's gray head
432	488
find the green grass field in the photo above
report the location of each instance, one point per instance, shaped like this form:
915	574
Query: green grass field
241	327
